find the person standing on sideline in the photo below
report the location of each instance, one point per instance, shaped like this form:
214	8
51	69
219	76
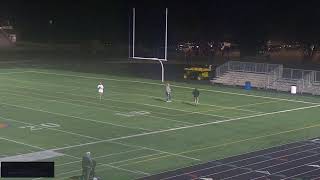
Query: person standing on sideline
196	94
168	93
87	165
100	90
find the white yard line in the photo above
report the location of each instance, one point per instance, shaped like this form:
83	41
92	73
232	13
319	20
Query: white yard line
155	132
54	129
161	151
215	110
161	107
215	146
229	143
65	92
75	117
135	158
37	147
202	104
17	72
178	100
185	87
99	157
99	139
220	107
254	104
187	127
144	104
101	164
231	107
21	143
60	148
108	109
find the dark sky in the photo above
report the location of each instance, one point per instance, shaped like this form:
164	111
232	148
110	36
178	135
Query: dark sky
108	20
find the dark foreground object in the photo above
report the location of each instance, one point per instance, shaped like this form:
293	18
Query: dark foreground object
27	169
300	160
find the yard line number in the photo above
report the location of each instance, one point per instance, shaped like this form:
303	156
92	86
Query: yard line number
133	113
40	126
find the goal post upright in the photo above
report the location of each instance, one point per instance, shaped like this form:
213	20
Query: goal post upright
166	36
133	29
165	43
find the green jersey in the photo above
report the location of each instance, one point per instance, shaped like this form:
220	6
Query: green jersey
196	93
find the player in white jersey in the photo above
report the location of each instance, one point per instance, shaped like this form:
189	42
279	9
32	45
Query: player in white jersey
168	93
100	90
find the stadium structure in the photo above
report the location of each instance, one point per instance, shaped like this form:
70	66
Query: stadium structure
268	76
8	36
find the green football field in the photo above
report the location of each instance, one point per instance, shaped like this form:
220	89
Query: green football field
133	132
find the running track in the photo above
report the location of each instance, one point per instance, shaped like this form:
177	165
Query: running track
300	160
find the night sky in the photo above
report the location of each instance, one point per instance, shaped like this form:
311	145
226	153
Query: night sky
108	20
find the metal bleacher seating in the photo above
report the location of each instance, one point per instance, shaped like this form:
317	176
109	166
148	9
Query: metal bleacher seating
268	76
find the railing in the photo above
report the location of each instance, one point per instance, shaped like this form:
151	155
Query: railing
261	68
279	78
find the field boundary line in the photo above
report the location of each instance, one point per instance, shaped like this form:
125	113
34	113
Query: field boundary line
99	139
217	165
221	145
21	143
139	157
103	156
152	149
216	110
67	93
99	165
70	116
95	107
187	127
151	105
17	72
149	96
185	87
258	137
204	104
37	147
144	104
54	129
253	104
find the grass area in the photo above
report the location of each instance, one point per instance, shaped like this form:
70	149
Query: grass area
59	110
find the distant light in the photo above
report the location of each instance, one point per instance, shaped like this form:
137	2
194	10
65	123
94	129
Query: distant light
197	46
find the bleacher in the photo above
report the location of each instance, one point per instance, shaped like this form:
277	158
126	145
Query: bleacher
284	85
239	79
268	76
